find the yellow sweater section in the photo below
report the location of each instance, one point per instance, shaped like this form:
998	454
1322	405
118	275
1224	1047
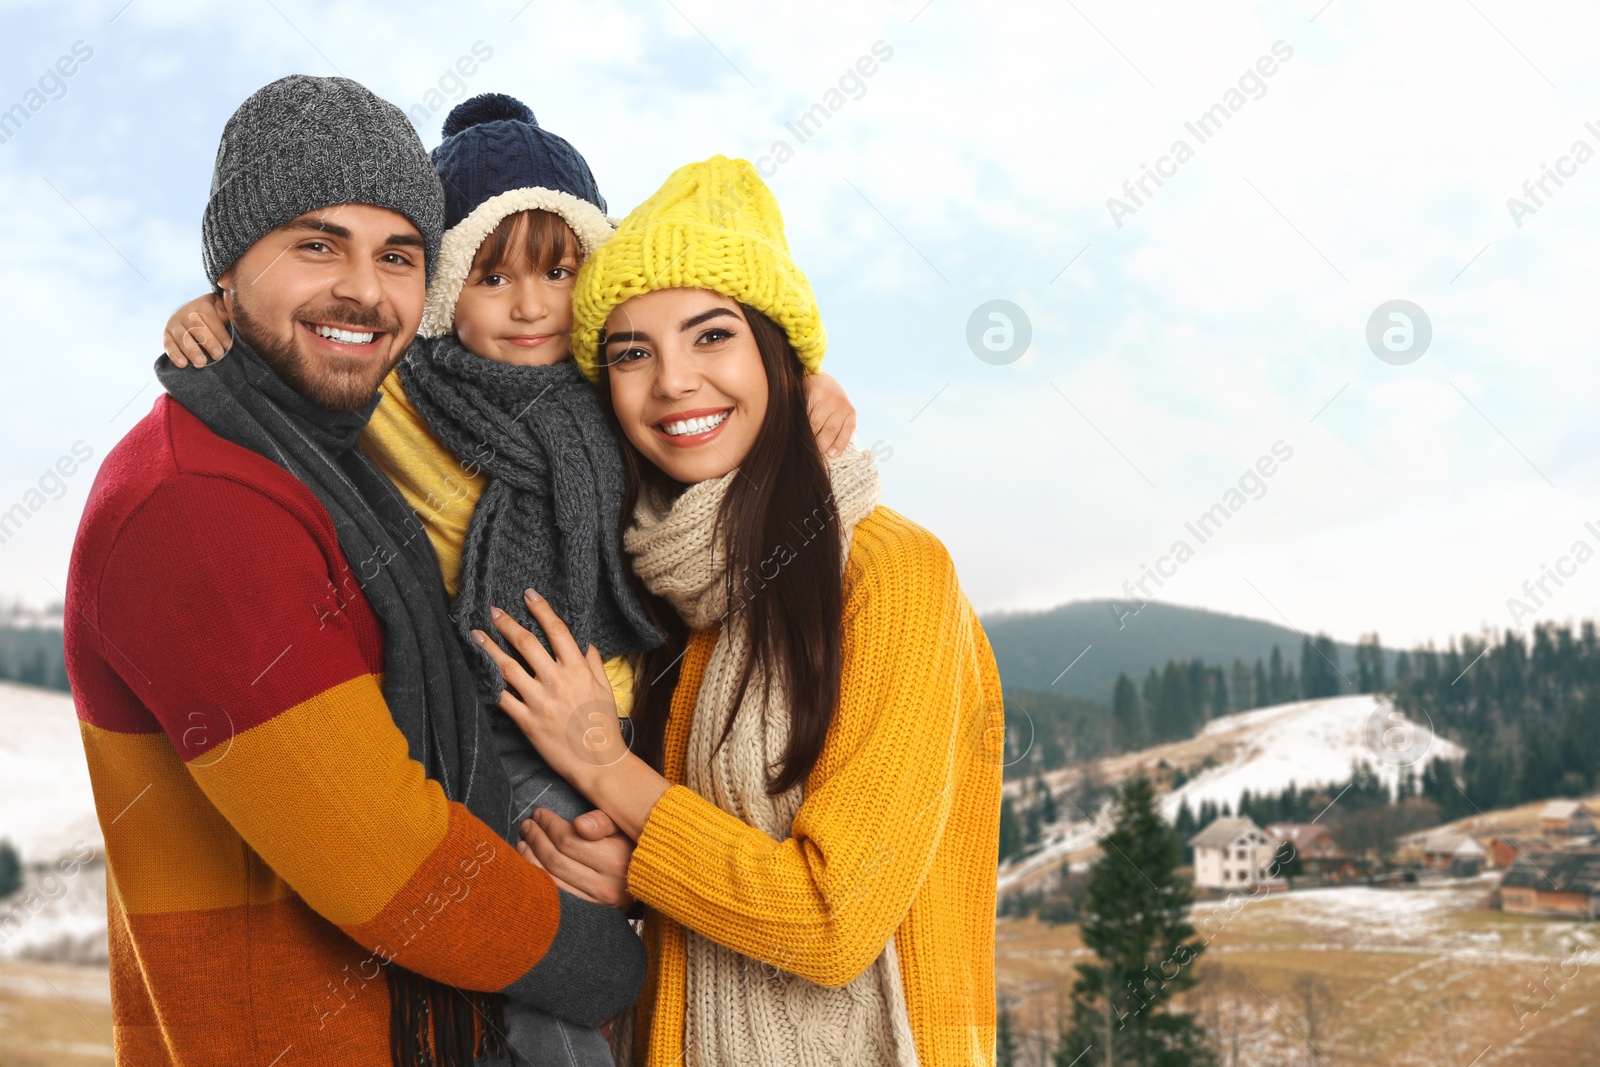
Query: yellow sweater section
443	490
898	835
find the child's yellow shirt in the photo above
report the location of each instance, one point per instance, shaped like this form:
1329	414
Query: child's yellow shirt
443	490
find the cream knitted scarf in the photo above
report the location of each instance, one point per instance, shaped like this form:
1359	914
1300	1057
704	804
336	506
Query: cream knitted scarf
741	1010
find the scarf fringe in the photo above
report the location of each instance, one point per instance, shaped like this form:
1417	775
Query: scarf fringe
436	1025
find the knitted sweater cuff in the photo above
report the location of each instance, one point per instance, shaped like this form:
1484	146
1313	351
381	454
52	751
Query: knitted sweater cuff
684	829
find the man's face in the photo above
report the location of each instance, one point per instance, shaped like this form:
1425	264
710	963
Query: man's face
331	300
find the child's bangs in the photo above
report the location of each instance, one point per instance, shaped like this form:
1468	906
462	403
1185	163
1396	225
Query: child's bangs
534	240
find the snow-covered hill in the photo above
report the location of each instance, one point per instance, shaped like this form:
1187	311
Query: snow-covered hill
1308	743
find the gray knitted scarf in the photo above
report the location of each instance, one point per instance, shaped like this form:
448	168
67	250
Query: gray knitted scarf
426	680
547	518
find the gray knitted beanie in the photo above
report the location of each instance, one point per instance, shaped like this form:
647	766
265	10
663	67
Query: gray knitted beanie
304	143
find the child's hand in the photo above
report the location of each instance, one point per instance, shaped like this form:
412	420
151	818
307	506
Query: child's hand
197	330
833	417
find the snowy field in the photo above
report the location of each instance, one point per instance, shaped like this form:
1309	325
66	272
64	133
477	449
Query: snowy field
45	802
47	813
1421	976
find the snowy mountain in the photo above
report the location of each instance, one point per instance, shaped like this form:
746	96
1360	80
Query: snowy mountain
1308	743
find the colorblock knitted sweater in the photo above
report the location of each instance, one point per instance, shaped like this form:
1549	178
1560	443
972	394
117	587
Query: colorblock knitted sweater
270	843
897	835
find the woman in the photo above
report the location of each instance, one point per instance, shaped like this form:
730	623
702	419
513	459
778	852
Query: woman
814	780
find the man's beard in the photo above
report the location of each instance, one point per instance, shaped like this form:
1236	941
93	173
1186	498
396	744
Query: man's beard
339	383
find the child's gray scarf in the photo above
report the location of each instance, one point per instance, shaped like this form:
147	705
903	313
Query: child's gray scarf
547	518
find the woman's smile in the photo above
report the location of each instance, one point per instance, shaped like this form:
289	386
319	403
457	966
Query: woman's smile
686	429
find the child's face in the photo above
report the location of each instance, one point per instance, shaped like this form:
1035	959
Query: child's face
517	314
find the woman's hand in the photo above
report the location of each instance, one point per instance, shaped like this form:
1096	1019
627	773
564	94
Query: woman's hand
197	330
566	710
587	857
566	707
833	417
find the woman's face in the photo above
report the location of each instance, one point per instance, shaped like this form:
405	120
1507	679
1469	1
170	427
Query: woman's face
687	382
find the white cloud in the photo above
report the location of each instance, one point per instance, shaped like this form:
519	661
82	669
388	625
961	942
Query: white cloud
1194	336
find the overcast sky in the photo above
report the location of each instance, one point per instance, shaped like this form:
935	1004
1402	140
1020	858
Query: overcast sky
1355	154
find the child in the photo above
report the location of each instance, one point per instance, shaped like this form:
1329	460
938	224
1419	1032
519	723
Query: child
499	443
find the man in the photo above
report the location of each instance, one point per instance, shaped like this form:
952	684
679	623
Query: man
302	805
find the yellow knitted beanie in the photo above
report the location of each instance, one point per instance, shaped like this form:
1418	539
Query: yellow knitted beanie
713	225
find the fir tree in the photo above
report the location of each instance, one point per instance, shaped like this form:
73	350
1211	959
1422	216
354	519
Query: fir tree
10	870
1286	862
1047	803
1138	927
1010	831
1186	827
1276	682
1240	687
1127	723
1005	1038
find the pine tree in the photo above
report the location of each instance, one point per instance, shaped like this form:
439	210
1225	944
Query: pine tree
1047	803
10	870
1174	717
1005	1038
1239	687
1370	664
1319	668
1286	862
1402	669
1127	722
1186	827
1010	831
1313	671
1138	927
1280	690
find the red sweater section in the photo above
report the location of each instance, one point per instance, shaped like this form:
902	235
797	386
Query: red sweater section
269	840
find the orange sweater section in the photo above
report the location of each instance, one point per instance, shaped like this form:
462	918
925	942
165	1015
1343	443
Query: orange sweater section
898	834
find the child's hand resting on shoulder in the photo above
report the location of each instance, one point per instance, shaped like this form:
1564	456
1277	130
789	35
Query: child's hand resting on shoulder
833	417
197	330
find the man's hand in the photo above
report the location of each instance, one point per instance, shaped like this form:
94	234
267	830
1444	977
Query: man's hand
588	857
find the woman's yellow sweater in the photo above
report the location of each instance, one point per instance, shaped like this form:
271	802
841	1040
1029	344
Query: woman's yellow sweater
443	491
898	834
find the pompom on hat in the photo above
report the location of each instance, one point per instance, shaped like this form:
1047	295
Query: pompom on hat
496	160
714	225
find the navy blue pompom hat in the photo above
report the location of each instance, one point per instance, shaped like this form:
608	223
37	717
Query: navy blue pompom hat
496	160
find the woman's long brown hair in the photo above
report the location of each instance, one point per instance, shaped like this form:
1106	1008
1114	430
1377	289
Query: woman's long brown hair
785	571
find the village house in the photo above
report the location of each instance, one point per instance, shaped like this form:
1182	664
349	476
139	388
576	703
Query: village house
1566	817
1320	853
1565	884
1504	851
1451	851
1233	854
